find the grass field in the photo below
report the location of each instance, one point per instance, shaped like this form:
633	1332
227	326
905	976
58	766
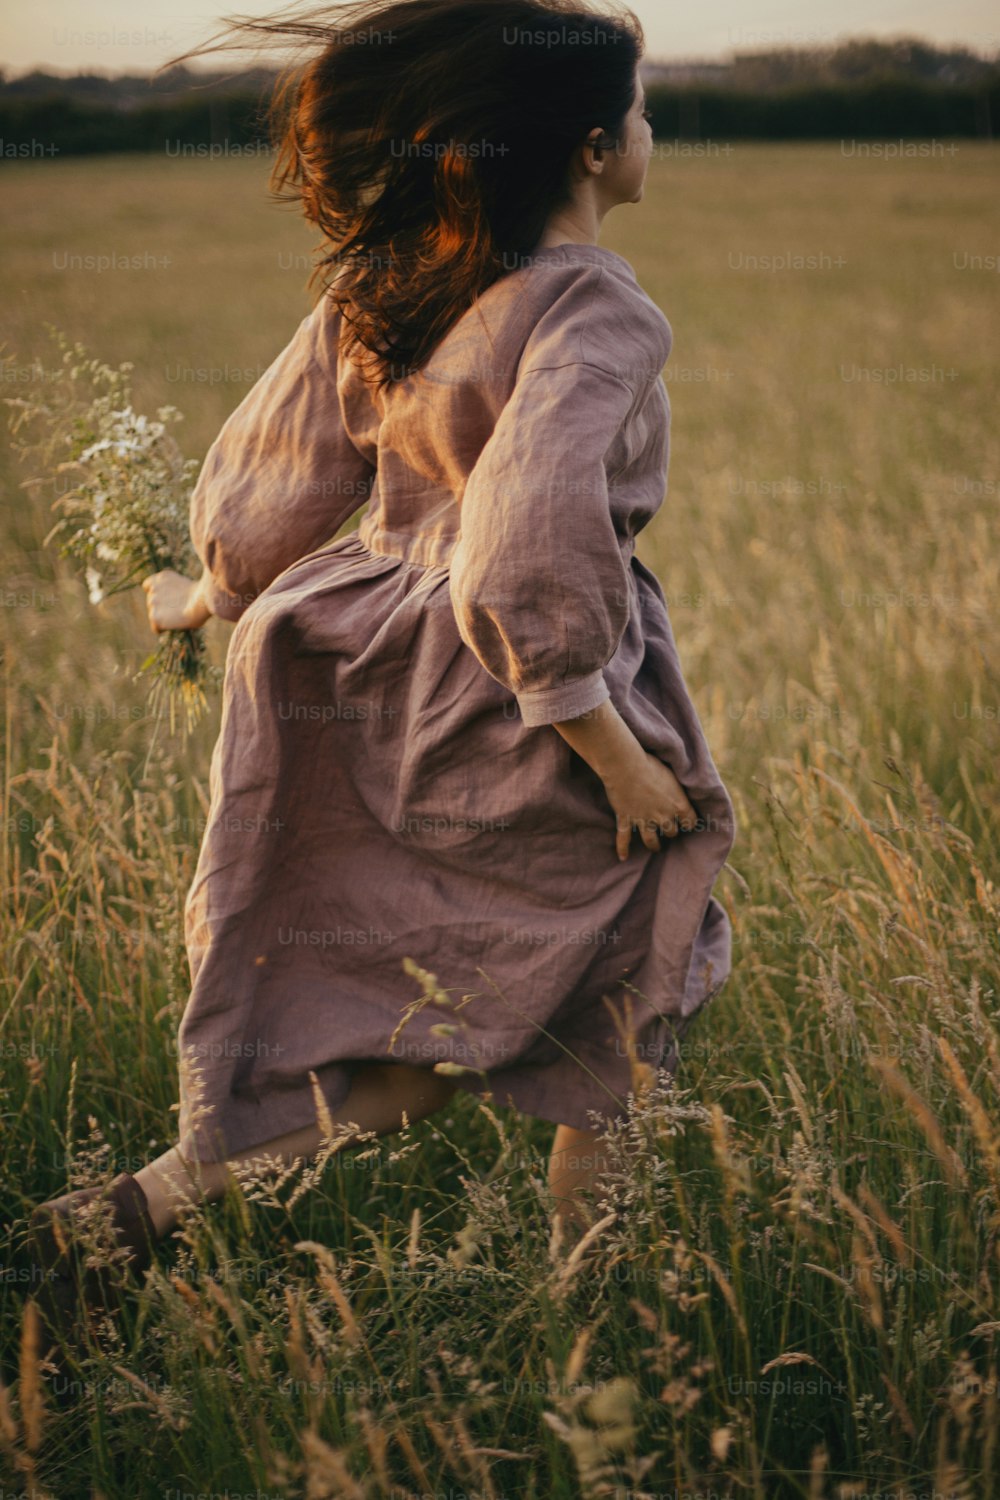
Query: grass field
806	1296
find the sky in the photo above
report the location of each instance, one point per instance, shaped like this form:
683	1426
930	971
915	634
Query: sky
120	36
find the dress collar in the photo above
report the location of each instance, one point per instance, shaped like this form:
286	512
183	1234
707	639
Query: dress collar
576	250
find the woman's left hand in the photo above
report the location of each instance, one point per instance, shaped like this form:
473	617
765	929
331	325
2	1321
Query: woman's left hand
174	602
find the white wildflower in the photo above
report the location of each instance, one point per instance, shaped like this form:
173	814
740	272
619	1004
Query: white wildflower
131	503
94	590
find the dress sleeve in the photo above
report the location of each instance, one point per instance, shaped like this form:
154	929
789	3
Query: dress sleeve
282	475
538	582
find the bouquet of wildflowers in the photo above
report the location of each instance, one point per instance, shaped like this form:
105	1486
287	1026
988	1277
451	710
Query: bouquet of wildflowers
126	515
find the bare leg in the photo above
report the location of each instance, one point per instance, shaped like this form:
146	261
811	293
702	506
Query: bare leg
380	1092
578	1159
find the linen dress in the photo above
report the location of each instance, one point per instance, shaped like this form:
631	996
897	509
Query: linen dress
386	784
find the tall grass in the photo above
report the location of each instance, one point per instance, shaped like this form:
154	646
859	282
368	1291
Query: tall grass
800	1297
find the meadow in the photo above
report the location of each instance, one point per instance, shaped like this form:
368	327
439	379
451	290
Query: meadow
803	1298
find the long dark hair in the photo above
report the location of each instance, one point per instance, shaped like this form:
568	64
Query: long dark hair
429	141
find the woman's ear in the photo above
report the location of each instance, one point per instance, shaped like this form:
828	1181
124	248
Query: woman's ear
593	141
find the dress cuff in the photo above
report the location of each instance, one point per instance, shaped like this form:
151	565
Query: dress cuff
566	701
227	606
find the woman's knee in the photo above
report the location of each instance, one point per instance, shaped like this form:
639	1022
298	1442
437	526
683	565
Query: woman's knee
415	1087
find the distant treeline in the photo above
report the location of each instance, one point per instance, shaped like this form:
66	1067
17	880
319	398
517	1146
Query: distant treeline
891	97
876	109
59	126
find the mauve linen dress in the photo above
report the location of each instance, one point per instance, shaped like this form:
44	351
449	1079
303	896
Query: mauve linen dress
386	783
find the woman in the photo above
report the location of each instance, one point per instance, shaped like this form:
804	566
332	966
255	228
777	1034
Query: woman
441	733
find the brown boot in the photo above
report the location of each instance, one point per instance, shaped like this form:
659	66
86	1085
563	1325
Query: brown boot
83	1244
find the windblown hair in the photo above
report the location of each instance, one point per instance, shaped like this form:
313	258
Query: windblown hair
430	141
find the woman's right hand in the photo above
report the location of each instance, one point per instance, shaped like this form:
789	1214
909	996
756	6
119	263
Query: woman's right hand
174	602
646	794
641	788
